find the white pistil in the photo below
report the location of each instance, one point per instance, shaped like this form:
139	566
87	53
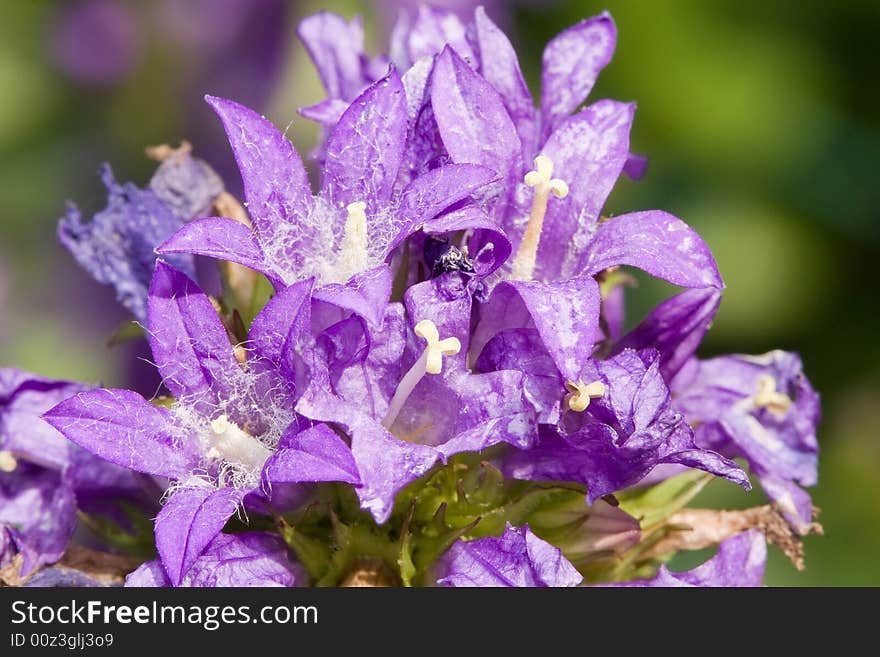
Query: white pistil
234	445
430	362
580	394
768	397
353	256
8	462
543	182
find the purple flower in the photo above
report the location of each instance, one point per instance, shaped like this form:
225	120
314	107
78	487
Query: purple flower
248	559
618	423
117	246
763	409
739	563
404	394
516	558
232	429
44	478
343	236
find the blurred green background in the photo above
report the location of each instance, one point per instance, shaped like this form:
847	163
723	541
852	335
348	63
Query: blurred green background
761	120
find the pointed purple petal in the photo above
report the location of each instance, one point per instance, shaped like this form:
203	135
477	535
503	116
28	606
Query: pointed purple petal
655	242
279	328
122	427
474	125
190	346
588	152
500	67
149	574
675	328
275	182
336	47
433	29
571	63
327	112
188	522
316	454
566	315
223	239
517	558
365	149
365	294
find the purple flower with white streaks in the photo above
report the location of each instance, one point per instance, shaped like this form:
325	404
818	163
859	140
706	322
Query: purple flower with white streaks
405	395
763	409
739	563
231	431
343	236
516	558
615	429
117	246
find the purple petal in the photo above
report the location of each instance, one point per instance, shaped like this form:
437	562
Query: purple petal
149	574
327	112
675	328
116	247
571	63
433	29
656	242
190	519
223	239
636	166
38	508
740	562
60	576
793	501
122	427
187	185
428	195
614	312
366	294
516	558
190	346
588	152
245	559
446	302
473	122
275	182
24	397
499	66
565	314
365	149
316	454
280	327
336	47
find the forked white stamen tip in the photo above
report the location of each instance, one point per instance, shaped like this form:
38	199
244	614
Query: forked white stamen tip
580	394
767	396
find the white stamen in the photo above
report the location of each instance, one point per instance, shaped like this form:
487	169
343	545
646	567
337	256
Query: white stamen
430	362
543	182
353	256
8	462
768	397
580	394
234	445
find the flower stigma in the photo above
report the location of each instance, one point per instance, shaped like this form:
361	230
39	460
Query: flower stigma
8	462
430	362
580	394
769	397
353	256
234	445
544	184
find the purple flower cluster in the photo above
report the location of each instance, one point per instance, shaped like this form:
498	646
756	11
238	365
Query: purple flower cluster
440	383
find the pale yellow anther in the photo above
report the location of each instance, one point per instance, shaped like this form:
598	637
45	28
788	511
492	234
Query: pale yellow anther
430	362
220	425
580	394
768	397
353	256
544	184
8	462
542	178
436	348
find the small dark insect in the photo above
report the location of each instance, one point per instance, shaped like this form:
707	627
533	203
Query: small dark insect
441	256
